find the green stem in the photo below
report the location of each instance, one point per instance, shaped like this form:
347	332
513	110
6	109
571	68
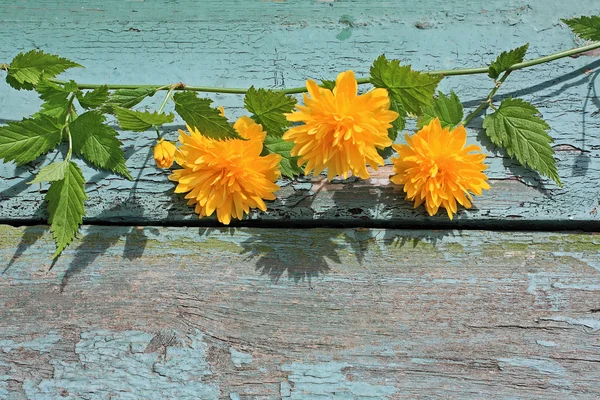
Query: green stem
66	127
164	103
4	67
488	101
361	81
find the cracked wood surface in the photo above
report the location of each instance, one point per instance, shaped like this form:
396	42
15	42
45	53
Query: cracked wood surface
299	314
274	44
162	312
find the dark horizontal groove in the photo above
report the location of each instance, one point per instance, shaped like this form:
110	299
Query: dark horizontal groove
426	224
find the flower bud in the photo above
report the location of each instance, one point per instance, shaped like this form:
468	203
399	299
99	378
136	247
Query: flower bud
164	153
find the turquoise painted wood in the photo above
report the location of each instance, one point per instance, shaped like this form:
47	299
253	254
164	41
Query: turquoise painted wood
148	309
281	44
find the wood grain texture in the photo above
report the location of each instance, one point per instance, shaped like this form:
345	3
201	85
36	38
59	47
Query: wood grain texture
281	44
299	314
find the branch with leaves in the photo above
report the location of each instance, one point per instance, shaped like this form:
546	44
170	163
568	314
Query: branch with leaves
75	113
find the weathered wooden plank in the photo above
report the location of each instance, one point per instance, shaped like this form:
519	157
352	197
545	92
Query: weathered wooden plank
302	314
280	44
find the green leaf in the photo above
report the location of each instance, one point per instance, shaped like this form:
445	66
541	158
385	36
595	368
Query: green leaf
52	172
28	68
288	164
507	59
447	109
98	143
414	90
516	126
268	108
587	28
327	84
399	123
16	85
65	206
53	93
127	98
56	99
198	113
139	121
93	98
26	140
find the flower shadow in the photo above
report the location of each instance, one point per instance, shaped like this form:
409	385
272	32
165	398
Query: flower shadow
300	255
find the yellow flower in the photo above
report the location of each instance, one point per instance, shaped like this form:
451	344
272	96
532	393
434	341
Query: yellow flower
221	111
228	176
164	152
435	168
341	131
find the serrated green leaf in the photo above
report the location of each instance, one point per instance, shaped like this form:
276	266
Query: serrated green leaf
51	92
16	85
93	98
399	123
197	113
587	28
288	164
414	90
268	108
56	99
140	121
328	84
65	206
516	126
449	110
97	143
52	172
26	140
507	59
27	68
127	98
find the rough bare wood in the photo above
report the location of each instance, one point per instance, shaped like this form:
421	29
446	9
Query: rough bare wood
300	314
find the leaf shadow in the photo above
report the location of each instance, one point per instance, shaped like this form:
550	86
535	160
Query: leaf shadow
97	240
30	235
402	238
22	185
582	161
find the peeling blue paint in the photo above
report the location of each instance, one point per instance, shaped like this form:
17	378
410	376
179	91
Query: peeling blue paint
546	343
578	286
43	344
591	323
544	366
239	358
592	262
327	381
116	364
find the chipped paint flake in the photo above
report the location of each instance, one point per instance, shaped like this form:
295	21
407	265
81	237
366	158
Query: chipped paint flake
544	366
42	344
239	358
592	323
326	381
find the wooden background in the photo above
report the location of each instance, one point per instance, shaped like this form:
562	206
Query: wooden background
340	290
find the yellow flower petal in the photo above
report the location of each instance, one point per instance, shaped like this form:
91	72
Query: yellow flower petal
226	176
342	130
435	167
